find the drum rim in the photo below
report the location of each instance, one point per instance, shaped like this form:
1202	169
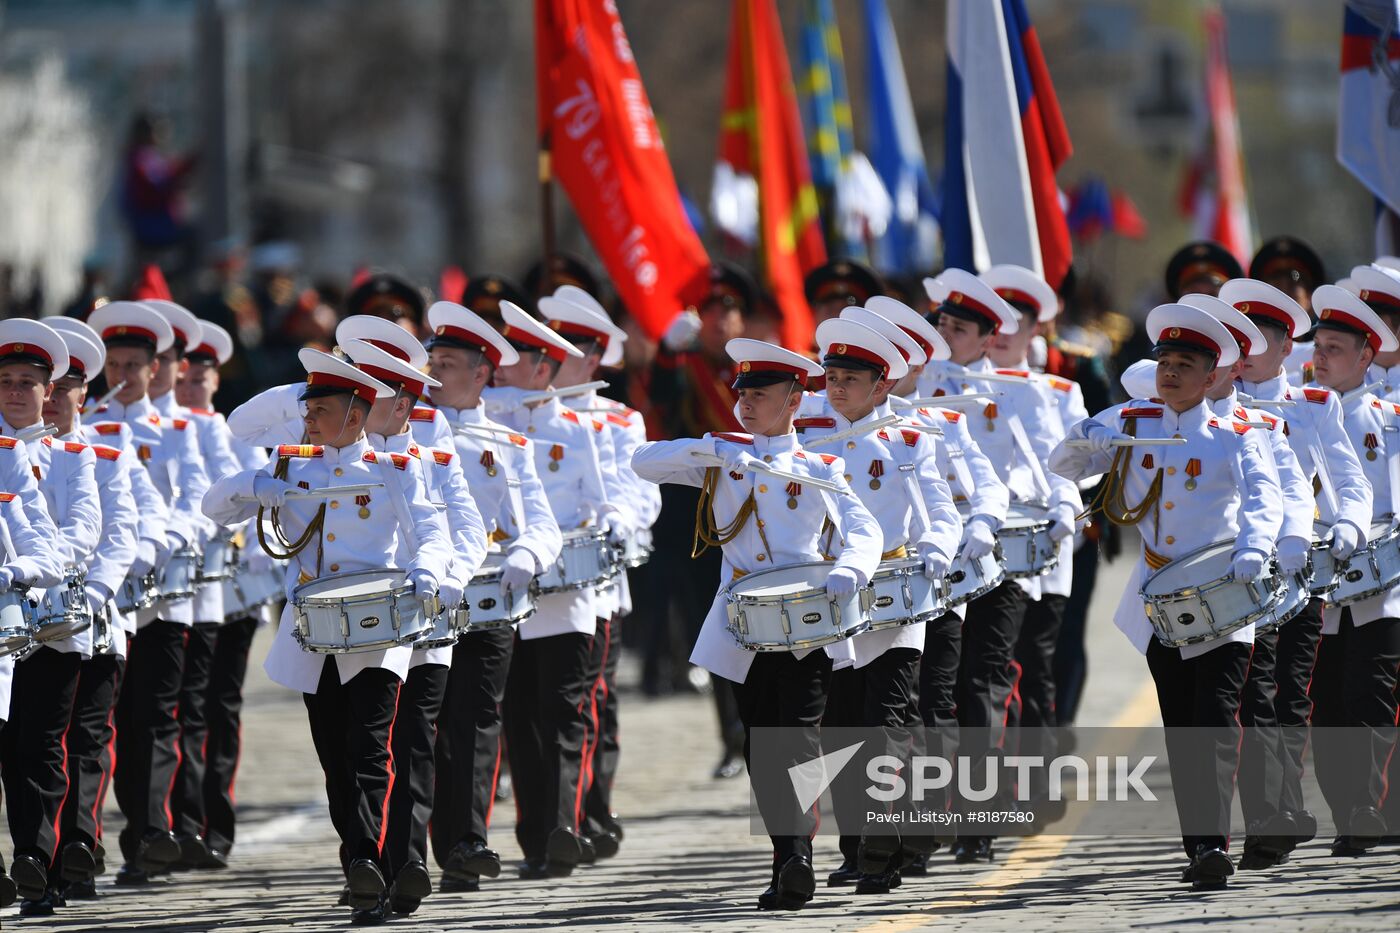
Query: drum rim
1142	589
1196	592
404	585
729	587
805	644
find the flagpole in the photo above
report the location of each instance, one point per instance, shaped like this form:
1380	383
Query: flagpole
546	210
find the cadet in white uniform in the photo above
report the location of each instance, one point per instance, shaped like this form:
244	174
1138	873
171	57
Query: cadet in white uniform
1220	471
90	729
575	315
762	523
903	489
350	699
140	345
1354	681
500	468
32	759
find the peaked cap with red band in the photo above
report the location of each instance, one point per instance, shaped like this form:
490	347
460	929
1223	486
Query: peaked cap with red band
1257	299
1183	327
455	326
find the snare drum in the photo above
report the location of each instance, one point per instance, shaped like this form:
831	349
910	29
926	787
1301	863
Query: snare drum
585	560
219	560
787	609
137	593
489	604
365	611
1324	565
16	622
62	611
1371	570
177	578
447	626
1194	598
1297	591
902	595
102	631
967	580
248	589
1024	539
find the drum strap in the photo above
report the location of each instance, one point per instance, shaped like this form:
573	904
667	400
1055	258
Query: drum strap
1109	499
289	549
707	534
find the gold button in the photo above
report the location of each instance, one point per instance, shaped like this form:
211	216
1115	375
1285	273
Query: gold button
1171	471
331	536
530	428
848	477
850	445
762	488
1169	505
761	557
767	458
1177	436
339	471
951	477
1170	539
334	567
762	524
335	503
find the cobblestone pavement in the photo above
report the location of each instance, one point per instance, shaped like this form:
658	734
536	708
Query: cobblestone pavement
689	861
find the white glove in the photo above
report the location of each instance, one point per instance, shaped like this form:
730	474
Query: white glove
165	547
7	579
1292	554
450	594
1345	540
1248	565
842	583
615	527
270	491
97	596
738	460
145	558
682	332
519	569
1059	531
935	564
978	540
1101	437
424	583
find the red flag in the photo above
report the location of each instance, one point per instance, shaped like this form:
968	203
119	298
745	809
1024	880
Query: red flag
596	122
151	284
452	282
761	136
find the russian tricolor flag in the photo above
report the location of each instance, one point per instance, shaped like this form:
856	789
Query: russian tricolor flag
1005	138
1368	124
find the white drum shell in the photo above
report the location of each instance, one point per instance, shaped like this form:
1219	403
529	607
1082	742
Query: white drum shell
137	593
62	611
787	609
16	622
351	612
1371	570
967	580
489	605
1024	538
176	580
219	560
585	560
1194	599
902	595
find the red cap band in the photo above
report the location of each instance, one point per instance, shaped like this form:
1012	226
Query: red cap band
581	330
466	336
1333	316
531	340
342	382
859	353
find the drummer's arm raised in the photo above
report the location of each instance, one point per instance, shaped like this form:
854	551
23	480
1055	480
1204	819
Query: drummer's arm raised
1076	463
270	418
1261	498
671	461
232	499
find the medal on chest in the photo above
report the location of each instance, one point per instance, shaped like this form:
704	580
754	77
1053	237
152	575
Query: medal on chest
877	470
556	453
488	460
363	502
1193	470
1371	444
794	489
990	412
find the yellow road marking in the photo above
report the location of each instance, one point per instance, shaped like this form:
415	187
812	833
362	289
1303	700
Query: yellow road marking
1032	856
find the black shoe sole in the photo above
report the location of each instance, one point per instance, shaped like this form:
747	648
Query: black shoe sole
562	853
605	845
413	884
157	853
450	885
796	885
483	866
1212	869
8	891
872	886
79	864
31	881
85	890
835	880
366	886
404	906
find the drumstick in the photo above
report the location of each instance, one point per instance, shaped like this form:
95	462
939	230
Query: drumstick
938	400
711	460
1263	402
581	389
994	377
1130	442
111	394
924	428
877	425
36	431
1355	393
329	492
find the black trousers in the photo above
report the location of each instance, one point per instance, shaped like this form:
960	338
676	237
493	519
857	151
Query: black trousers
187	795
782	690
1261	747
1034	704
1200	704
223	710
415	734
1353	734
351	725
33	751
468	750
986	674
1071	660
882	694
89	749
1293	673
544	735
148	730
604	750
